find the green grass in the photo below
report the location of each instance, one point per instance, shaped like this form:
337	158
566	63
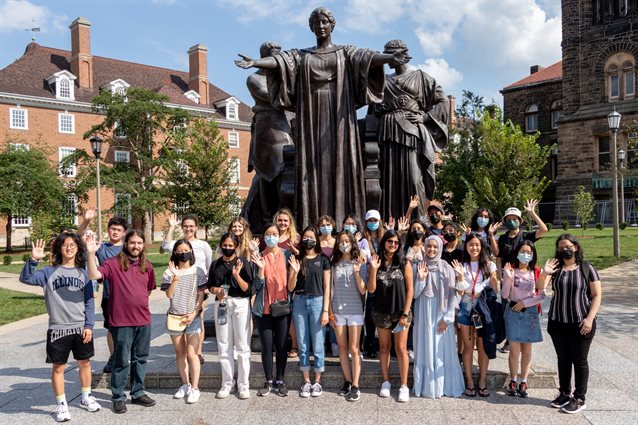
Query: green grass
19	305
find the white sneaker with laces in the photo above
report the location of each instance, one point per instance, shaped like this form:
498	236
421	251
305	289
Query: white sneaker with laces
385	389
316	390
223	392
305	390
192	396
244	392
62	413
182	391
90	404
404	394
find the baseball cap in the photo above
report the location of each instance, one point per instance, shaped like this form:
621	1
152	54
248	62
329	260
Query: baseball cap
513	211
373	214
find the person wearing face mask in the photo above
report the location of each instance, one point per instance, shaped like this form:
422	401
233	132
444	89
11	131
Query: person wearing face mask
309	280
230	279
346	309
483	224
435	215
572	318
506	248
184	284
414	248
452	249
522	323
373	233
326	226
351	225
437	371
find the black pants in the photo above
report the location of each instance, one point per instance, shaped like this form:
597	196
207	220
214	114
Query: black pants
572	349
369	341
273	330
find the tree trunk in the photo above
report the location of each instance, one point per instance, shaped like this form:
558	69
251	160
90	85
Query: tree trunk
9	248
148	227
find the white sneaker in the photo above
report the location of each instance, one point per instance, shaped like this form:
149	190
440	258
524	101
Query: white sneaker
404	394
62	413
223	392
90	404
385	389
316	390
305	390
182	391
192	396
244	392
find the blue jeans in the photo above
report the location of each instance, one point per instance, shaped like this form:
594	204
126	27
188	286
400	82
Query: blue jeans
131	347
306	315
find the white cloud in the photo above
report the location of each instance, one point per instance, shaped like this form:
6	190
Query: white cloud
179	58
18	15
371	16
446	76
290	11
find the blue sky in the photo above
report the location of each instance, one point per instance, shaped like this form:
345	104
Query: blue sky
477	45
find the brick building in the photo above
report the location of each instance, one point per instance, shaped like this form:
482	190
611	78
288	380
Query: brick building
568	102
46	95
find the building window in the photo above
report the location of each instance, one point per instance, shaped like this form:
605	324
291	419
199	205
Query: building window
620	71
122	157
531	118
122	205
604	156
19	146
556	114
233	139
66	123
630	83
62	83
118	131
21	221
19	118
233	170
614	85
65	89
193	96
71	207
66	170
231	110
119	90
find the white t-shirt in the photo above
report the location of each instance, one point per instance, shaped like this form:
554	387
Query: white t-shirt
482	282
203	253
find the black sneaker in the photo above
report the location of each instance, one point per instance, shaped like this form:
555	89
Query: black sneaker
119	406
371	354
345	388
575	405
511	388
265	390
522	389
505	348
281	389
143	400
560	401
354	394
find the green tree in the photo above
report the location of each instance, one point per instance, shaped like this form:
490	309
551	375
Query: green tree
29	183
583	207
141	123
198	175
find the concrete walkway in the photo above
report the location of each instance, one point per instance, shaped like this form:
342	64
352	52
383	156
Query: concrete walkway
26	397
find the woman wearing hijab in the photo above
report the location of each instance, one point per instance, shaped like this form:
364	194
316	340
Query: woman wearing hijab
437	371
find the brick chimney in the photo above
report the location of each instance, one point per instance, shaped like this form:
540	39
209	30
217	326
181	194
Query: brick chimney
198	72
81	59
452	112
535	68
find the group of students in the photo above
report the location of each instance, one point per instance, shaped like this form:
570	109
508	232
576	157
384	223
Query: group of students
431	287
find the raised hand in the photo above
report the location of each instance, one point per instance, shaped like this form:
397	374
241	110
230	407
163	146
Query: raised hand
531	205
90	214
509	271
245	62
254	245
422	271
551	266
258	260
375	262
296	266
172	267
403	224
493	228
389	224
91	244
37	249
414	202
358	236
237	267
172	220
466	229
458	268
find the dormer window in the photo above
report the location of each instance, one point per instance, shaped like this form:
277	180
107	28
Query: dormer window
231	111
193	96
117	87
62	83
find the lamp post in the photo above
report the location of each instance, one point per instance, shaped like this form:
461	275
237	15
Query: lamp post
621	158
96	146
613	120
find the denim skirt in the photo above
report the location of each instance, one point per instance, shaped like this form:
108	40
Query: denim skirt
523	326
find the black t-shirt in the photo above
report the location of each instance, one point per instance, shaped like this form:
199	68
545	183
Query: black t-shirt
508	247
221	273
390	296
456	254
310	277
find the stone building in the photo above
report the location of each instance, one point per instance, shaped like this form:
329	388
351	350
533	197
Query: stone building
46	94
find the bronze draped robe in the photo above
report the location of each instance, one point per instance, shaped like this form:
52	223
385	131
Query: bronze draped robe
325	88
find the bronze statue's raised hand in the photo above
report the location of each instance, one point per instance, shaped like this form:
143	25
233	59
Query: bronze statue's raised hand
246	61
400	57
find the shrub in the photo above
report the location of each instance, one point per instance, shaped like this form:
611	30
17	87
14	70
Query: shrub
600	226
565	224
549	226
25	257
161	249
6	260
623	225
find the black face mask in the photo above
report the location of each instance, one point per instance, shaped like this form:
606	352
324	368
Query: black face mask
449	237
308	243
184	256
566	254
435	219
228	252
417	235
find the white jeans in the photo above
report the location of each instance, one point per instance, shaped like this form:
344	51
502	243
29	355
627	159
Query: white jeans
234	336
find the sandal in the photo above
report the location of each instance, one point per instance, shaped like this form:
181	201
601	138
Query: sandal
483	392
292	353
470	392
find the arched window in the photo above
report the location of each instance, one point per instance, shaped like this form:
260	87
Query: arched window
531	118
620	75
629	79
65	88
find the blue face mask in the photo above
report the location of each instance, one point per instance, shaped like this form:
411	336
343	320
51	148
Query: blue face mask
512	224
271	240
524	257
482	221
325	230
372	225
350	228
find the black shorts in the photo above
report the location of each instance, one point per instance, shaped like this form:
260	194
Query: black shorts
105	312
388	321
59	347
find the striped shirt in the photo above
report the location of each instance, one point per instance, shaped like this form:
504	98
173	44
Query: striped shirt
185	295
346	298
572	298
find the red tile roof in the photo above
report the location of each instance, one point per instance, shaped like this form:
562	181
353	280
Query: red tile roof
551	73
27	76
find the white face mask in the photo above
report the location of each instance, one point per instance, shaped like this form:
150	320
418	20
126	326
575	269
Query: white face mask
345	247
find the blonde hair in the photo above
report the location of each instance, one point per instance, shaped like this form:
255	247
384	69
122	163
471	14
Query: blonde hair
292	232
245	238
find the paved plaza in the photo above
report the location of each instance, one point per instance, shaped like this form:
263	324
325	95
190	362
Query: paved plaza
26	396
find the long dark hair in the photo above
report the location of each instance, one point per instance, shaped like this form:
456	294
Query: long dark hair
484	257
355	252
409	239
357	222
398	259
477	214
123	256
174	253
80	254
232	237
532	264
302	251
578	254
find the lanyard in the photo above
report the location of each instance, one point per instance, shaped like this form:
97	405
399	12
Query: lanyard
474	278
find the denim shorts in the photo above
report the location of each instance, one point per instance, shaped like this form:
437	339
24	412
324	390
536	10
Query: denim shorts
466	306
194	328
523	326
